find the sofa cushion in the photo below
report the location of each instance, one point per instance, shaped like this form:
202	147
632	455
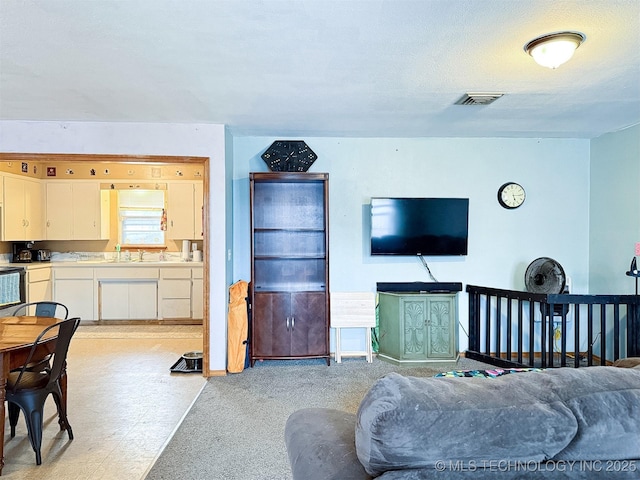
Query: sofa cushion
606	404
409	422
321	445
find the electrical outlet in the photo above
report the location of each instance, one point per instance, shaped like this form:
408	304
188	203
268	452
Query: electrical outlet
637	249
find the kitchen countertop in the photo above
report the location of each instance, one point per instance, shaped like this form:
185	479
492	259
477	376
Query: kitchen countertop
106	263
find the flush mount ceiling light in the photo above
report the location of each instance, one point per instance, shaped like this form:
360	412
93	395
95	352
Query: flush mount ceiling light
554	49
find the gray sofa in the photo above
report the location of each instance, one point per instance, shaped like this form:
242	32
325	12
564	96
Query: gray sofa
555	424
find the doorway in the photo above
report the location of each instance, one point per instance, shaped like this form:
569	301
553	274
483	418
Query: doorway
151	160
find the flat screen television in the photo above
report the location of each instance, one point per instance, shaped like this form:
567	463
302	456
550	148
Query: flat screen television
419	226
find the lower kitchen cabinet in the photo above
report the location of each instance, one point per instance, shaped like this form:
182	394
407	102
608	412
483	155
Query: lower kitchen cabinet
74	287
197	293
126	292
417	327
124	300
289	325
175	293
39	284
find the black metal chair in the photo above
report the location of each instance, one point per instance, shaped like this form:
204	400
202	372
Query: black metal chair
43	309
27	389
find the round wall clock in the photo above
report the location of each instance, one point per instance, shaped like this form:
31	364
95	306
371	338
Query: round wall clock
289	156
511	195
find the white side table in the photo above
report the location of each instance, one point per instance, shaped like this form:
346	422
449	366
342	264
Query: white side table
353	310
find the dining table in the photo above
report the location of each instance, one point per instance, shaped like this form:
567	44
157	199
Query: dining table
17	336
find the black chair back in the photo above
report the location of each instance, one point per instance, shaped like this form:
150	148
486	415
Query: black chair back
43	309
65	330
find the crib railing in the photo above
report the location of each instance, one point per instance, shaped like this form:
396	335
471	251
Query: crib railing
521	329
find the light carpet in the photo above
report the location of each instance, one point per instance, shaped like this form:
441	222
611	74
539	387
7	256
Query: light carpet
235	428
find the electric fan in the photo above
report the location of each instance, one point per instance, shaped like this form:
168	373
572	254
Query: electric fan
545	275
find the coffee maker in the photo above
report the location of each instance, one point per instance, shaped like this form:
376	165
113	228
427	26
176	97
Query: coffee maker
22	252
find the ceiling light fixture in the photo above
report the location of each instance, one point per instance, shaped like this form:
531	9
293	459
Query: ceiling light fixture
554	49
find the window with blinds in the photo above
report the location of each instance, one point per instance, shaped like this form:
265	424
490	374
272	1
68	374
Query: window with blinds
140	214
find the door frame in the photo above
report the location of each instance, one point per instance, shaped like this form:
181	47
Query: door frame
41	158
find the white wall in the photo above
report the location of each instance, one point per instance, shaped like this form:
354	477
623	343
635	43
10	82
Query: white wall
614	210
554	221
150	139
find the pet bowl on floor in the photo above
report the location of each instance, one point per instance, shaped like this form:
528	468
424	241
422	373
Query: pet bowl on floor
193	360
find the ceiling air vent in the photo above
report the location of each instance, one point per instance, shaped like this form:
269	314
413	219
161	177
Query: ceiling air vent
478	98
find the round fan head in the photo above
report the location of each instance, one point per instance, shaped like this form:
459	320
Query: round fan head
545	275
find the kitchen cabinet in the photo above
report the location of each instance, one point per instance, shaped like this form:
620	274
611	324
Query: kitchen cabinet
74	287
73	211
197	293
175	293
86	211
59	206
184	210
417	327
180	293
128	300
127	293
39	284
198	210
289	265
22	209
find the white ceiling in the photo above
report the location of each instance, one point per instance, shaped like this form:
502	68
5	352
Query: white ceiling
346	68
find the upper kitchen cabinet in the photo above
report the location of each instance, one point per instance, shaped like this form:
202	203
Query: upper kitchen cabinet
86	211
22	217
198	210
59	206
184	210
73	211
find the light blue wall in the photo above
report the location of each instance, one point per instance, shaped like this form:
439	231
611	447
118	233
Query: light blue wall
614	210
554	221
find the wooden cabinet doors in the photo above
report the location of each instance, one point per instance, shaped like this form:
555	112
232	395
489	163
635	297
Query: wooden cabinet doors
289	325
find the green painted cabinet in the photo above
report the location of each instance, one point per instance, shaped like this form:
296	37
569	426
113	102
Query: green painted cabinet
418	327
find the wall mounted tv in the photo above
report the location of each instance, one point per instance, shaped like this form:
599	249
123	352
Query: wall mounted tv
419	226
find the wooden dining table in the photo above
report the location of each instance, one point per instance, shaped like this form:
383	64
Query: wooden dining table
17	335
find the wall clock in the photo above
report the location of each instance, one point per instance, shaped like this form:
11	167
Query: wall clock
511	195
289	156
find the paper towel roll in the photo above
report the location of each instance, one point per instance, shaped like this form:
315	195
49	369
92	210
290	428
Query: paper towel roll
185	249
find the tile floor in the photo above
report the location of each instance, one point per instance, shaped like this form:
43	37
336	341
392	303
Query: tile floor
123	402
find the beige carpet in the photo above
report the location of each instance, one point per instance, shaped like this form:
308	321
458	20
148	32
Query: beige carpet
235	428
